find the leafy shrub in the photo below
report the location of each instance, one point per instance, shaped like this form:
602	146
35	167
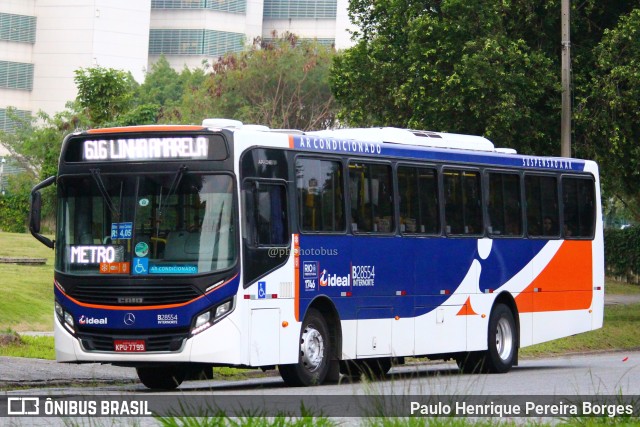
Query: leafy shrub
14	212
622	253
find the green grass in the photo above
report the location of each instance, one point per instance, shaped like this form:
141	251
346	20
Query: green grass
612	287
32	347
27	291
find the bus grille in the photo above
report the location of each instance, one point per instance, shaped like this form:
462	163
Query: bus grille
159	341
134	295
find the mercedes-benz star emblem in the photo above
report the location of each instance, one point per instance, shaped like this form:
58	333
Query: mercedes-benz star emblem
129	319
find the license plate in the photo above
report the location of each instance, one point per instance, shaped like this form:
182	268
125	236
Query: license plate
129	346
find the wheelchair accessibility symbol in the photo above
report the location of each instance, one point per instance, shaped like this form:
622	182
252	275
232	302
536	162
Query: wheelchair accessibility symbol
262	290
141	266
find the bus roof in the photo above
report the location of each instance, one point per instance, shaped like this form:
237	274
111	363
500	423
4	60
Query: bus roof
411	137
419	138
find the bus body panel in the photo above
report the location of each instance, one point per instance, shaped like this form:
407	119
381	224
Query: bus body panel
394	295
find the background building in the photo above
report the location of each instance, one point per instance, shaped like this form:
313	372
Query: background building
42	42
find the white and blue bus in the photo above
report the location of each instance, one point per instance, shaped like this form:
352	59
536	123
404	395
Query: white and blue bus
182	248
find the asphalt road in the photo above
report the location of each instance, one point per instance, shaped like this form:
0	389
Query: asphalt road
602	373
606	377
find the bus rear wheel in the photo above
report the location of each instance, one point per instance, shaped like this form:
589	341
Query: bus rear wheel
314	353
161	377
502	341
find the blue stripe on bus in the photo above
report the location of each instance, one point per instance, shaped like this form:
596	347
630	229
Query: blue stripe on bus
427	270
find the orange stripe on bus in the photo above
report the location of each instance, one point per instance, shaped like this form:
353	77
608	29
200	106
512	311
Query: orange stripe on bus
152	128
140	307
290	141
566	283
296	274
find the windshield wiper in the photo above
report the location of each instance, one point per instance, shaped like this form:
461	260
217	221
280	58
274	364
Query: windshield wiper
172	189
95	173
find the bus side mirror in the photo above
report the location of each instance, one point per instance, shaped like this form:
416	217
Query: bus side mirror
35	212
36	209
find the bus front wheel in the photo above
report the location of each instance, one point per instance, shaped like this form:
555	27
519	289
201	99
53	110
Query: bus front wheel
314	353
161	377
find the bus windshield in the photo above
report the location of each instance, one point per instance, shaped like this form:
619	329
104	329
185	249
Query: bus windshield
169	224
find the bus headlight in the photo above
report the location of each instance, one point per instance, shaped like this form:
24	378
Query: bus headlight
208	318
59	310
64	317
203	322
203	319
68	318
222	309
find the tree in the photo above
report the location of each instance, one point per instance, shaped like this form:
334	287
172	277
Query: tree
195	101
162	85
481	67
282	84
608	111
430	72
104	93
36	141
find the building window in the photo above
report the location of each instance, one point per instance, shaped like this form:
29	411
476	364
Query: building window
231	6
285	9
16	75
322	41
217	43
17	28
194	42
7	124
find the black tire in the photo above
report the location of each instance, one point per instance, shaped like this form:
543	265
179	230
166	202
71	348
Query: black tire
502	340
471	362
314	355
162	377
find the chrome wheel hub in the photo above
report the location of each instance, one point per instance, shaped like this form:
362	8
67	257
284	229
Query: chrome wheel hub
311	348
504	339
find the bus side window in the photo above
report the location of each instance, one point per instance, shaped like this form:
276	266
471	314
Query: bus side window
578	207
371	190
542	205
419	211
463	206
503	204
320	195
266	218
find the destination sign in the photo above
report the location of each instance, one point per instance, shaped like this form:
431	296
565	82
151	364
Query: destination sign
160	148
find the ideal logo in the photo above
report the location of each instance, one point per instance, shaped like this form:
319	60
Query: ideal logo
84	320
334	279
